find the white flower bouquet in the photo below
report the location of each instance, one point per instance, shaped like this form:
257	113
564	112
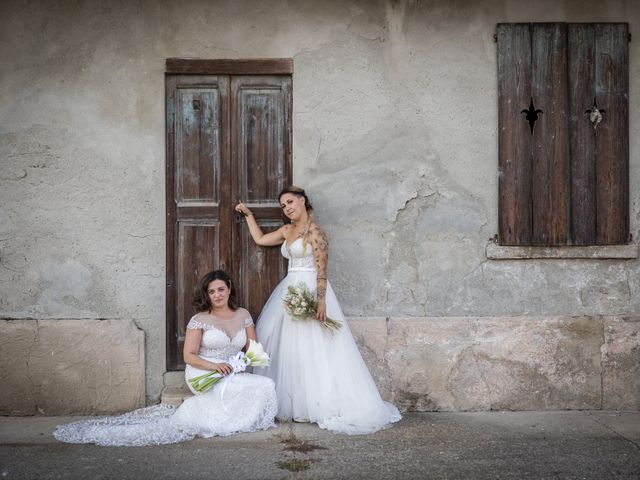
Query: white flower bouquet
302	305
254	357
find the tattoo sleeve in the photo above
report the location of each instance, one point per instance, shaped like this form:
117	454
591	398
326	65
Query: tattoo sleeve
320	246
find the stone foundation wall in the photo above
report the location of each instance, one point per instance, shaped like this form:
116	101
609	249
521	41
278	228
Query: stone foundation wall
504	363
61	367
58	367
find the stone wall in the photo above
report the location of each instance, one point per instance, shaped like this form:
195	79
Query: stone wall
395	139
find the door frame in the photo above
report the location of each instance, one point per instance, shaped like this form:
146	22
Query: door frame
193	66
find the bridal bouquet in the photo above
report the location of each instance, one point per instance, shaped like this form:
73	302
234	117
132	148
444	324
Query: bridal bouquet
302	305
254	357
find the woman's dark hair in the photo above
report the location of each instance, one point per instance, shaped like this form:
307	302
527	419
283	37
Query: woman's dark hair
298	192
201	300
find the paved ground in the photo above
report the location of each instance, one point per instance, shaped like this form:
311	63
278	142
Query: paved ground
504	445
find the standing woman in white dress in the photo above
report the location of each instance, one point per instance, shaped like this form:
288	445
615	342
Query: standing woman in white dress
319	375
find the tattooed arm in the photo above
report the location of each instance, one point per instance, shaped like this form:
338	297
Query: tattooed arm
320	246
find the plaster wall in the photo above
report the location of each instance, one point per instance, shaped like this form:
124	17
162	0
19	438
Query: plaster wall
395	139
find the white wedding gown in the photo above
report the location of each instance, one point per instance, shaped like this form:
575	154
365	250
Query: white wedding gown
239	403
320	377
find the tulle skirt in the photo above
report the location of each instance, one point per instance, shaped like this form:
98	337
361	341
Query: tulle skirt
241	403
319	376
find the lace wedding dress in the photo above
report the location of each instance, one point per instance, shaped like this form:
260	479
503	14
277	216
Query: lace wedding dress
239	403
320	377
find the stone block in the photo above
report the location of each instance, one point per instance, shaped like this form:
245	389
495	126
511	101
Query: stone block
371	336
174	379
73	366
621	363
17	393
421	353
529	363
175	396
495	363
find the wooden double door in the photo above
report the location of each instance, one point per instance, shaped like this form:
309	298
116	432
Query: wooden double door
228	140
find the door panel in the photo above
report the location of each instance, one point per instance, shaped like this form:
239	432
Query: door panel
197	208
260	268
261	155
198	144
261	104
198	247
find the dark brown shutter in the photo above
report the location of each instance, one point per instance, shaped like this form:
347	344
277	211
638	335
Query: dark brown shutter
598	66
550	149
515	139
581	60
565	182
533	159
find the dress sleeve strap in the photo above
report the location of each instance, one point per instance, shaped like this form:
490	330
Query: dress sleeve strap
194	324
248	321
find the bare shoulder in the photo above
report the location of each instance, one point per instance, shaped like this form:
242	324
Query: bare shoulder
317	231
285	229
319	238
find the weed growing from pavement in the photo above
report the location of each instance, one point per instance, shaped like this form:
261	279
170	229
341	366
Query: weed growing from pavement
295	464
297	444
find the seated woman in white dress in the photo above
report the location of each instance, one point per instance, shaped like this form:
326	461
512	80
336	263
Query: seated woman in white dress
320	376
241	402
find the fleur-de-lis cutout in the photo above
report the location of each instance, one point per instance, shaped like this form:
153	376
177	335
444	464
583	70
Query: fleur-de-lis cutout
532	115
595	114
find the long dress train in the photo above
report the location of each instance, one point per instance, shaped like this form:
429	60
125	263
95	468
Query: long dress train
320	377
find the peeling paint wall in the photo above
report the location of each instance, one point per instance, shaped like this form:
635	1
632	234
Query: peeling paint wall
395	139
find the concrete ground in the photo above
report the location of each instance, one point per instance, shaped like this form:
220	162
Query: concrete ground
504	445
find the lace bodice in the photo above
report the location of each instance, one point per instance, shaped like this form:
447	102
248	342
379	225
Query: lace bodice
299	259
221	338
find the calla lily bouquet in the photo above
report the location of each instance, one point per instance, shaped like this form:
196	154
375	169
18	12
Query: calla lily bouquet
302	305
255	356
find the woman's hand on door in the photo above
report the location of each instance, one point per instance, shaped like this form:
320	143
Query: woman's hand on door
264	239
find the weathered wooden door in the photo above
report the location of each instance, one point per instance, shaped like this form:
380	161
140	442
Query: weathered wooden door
228	139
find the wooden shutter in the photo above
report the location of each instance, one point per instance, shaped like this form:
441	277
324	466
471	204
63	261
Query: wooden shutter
534	161
598	70
514	93
563	181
